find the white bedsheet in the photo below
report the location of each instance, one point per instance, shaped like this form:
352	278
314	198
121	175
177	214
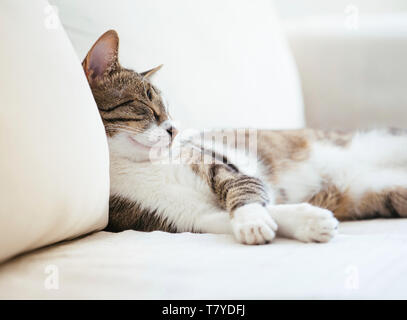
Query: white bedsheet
368	259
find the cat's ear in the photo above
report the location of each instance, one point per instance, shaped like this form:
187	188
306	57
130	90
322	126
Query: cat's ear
102	58
149	73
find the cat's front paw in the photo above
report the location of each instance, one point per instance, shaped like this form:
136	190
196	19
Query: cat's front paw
252	224
315	224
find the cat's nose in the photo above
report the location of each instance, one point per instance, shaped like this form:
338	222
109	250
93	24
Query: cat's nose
172	131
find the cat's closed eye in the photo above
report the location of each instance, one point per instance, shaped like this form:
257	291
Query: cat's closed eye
145	112
149	94
156	116
122	104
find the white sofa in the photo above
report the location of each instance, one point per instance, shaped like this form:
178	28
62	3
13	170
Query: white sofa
55	165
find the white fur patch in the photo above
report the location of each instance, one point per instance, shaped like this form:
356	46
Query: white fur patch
304	222
252	224
175	191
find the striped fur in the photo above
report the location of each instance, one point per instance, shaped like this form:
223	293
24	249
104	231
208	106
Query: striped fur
292	183
125	214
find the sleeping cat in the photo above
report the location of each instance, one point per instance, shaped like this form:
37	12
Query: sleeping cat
294	184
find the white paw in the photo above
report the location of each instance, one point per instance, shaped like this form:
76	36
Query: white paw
252	224
314	224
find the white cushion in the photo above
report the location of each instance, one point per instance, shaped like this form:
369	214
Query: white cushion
367	260
54	164
226	63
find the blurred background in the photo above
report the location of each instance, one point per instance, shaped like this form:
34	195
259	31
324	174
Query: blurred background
351	57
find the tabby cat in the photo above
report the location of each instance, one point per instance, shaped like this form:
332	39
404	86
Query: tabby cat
294	184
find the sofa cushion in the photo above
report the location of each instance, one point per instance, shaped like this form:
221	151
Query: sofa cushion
54	165
226	63
367	260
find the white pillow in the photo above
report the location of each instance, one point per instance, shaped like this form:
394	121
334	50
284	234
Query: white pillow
226	63
54	164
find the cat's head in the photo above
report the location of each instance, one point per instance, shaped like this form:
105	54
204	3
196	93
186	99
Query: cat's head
135	116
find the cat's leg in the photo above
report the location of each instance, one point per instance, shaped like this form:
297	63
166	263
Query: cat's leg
251	224
243	198
389	203
304	222
396	202
376	193
254	217
217	222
